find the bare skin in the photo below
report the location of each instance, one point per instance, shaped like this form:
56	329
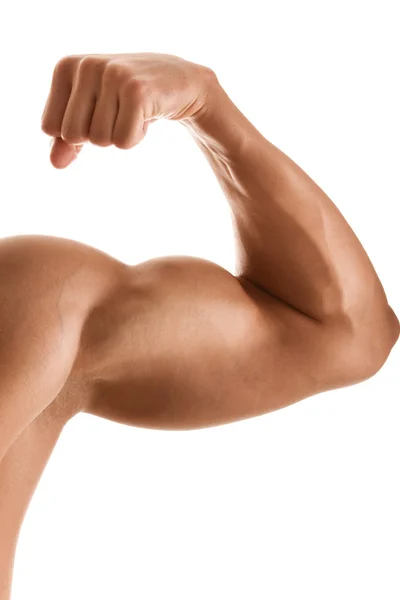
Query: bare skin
176	342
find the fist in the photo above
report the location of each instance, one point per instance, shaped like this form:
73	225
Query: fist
110	99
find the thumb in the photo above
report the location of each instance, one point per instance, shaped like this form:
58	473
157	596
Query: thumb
62	154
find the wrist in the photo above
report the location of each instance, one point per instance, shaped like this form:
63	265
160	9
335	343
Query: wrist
219	124
211	89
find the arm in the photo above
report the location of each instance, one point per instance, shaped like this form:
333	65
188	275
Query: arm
185	345
312	313
292	241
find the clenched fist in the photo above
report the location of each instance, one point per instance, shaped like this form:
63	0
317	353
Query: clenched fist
110	99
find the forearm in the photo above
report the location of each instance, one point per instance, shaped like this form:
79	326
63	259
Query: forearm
292	241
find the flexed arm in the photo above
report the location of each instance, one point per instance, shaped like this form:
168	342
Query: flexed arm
176	342
292	241
294	246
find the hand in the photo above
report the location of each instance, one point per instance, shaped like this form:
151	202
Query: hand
110	99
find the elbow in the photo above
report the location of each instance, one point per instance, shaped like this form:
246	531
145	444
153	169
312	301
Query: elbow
371	344
395	324
384	337
393	333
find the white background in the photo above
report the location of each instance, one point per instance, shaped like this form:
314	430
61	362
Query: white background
298	504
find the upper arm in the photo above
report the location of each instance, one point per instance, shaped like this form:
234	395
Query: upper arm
208	348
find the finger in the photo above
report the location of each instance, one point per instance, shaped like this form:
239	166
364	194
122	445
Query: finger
128	129
105	114
82	103
60	91
63	154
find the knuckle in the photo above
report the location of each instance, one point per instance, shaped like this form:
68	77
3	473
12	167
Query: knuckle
90	63
66	64
135	86
114	71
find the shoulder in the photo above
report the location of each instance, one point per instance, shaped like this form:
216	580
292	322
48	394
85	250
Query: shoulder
43	265
49	287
